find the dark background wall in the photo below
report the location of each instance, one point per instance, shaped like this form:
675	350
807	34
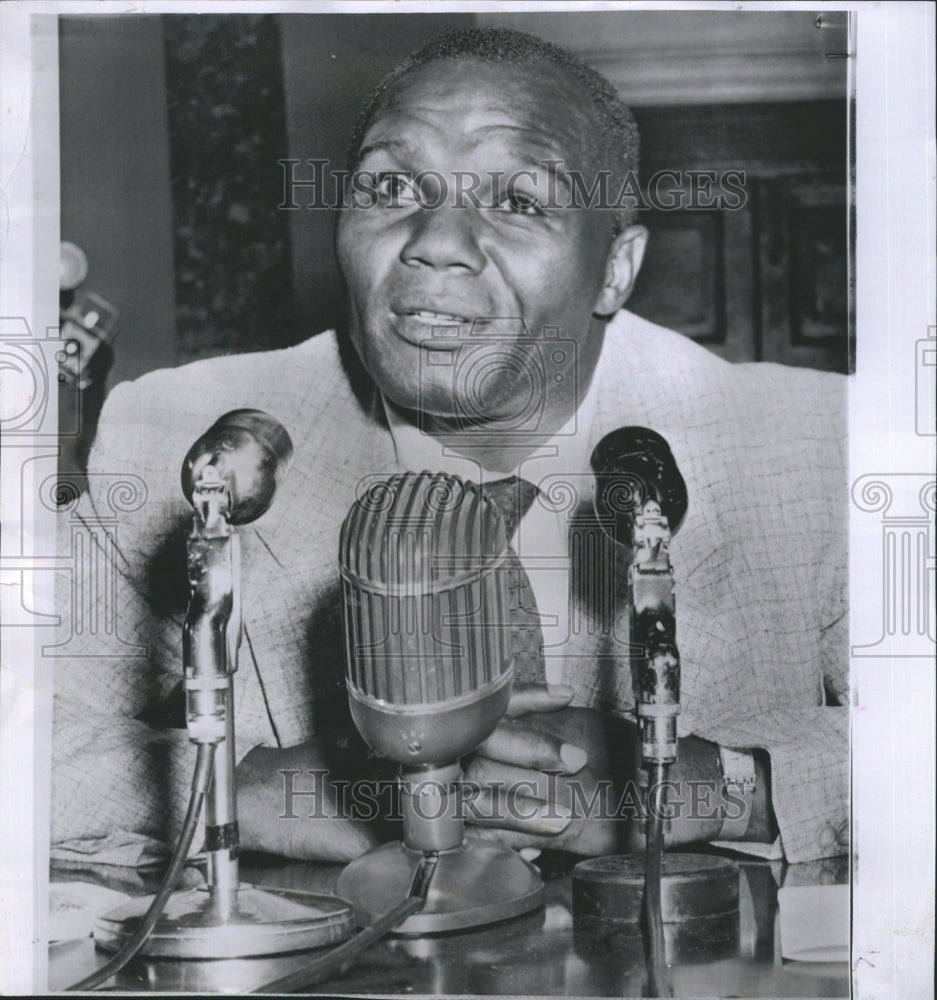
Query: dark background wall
172	127
330	65
115	179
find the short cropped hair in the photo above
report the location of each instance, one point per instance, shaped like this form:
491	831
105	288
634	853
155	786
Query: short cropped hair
617	131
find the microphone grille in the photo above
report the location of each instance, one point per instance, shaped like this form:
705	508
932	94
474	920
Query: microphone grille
423	561
632	465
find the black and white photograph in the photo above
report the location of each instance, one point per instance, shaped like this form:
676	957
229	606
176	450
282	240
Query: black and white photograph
468	499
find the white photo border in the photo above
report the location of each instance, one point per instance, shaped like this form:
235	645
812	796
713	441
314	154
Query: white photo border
892	696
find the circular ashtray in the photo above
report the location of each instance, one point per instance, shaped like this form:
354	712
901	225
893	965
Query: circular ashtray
693	886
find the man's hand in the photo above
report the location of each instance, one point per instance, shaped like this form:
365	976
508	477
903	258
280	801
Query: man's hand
564	778
292	801
551	776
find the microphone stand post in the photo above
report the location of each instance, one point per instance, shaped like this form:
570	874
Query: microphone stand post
211	636
222	919
474	882
641	494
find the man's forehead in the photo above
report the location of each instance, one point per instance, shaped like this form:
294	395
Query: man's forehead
477	103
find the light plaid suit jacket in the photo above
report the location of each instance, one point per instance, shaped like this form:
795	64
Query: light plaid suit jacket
760	568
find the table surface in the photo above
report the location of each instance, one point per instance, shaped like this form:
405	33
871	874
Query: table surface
539	954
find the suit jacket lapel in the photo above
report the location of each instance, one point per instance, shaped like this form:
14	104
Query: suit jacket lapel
293	619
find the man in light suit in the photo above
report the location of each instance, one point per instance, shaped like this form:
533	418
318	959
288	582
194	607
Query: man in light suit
500	280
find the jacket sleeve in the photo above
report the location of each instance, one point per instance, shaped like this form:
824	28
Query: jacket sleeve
809	753
808	747
119	784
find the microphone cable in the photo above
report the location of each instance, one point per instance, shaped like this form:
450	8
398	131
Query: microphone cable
338	959
201	779
656	958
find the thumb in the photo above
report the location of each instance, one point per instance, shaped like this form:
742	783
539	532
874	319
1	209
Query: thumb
526	698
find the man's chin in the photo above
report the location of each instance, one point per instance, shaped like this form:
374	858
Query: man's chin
426	401
421	404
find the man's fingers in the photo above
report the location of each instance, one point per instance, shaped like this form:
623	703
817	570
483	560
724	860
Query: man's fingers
521	780
527	698
519	840
490	807
520	745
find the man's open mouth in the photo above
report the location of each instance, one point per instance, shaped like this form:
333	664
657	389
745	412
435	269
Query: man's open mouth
432	316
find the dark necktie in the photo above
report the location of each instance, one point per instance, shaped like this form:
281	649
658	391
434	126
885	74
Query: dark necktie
513	497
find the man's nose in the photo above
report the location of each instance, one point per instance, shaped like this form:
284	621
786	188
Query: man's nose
444	237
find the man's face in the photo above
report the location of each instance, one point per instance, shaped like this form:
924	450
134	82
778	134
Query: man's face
422	279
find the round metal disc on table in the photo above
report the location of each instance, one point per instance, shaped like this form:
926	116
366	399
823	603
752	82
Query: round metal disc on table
611	889
260	922
475	884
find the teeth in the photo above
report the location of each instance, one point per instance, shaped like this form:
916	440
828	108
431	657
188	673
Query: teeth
435	317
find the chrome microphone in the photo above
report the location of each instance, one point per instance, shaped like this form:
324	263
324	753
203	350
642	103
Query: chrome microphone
230	476
249	451
428	641
424	567
641	498
631	466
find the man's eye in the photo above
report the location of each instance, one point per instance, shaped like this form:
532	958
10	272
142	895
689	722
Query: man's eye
395	189
520	203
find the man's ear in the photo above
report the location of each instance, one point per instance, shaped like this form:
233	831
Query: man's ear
621	269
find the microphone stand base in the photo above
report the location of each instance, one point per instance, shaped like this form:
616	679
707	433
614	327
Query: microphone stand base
475	884
200	923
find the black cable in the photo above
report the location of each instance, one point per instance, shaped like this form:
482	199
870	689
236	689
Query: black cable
334	961
337	960
656	958
201	779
